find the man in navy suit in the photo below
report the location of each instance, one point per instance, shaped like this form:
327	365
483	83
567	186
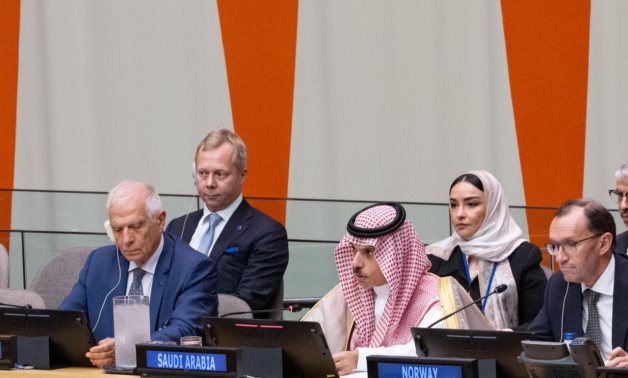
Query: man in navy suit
250	248
181	284
620	194
585	297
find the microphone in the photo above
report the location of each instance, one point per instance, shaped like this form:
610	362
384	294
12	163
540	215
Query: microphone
499	289
293	308
27	306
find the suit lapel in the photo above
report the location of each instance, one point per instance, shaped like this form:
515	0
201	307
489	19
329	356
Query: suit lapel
623	243
191	224
160	279
124	276
232	231
573	310
620	310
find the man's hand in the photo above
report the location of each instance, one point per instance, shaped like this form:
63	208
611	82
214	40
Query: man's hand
618	358
346	361
104	353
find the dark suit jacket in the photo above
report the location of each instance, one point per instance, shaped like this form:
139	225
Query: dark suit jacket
547	324
621	243
529	276
251	253
183	290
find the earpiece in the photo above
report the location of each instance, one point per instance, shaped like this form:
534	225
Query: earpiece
190	209
109	231
562	315
108	228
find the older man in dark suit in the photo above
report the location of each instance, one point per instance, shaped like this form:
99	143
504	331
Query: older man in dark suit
586	296
620	195
250	248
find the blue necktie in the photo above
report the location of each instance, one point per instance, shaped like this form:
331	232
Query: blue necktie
136	285
208	238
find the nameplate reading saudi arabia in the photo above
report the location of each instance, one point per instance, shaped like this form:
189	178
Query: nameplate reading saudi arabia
400	370
186	361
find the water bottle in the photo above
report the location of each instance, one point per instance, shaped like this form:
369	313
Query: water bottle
568	338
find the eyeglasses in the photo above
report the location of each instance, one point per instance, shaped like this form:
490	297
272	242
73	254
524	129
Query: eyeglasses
616	195
569	247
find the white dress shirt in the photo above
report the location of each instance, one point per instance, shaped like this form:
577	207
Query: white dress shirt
407	349
149	267
604	285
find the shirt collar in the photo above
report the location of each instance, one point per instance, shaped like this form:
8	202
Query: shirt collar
151	264
227	212
382	291
606	282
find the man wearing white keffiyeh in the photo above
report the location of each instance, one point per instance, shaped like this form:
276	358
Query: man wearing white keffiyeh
486	250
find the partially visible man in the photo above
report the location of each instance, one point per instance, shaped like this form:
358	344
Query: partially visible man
249	247
181	283
620	194
585	297
385	289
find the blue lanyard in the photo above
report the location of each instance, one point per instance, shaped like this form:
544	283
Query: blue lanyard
470	280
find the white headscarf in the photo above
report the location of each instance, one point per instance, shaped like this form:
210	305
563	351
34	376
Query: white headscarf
493	242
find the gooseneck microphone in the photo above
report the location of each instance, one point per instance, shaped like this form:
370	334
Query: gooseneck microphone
293	308
499	289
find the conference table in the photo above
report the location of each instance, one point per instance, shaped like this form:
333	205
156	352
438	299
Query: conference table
72	372
89	373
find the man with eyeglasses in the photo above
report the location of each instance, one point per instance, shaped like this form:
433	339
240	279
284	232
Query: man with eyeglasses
580	298
620	195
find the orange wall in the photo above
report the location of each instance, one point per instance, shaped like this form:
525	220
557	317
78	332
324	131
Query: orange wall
259	40
547	44
9	46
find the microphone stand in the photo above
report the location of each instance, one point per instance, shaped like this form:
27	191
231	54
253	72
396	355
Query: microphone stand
498	289
27	307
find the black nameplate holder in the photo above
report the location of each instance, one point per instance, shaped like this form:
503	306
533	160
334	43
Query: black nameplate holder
36	352
436	367
264	362
8	351
160	360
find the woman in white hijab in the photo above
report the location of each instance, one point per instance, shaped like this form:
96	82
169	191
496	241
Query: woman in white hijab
486	250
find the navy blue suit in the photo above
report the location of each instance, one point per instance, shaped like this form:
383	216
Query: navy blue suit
547	324
251	253
183	290
621	243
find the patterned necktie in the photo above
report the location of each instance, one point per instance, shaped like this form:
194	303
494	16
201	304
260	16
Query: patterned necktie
594	332
208	238
136	285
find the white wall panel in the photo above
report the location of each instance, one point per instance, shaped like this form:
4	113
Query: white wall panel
607	110
112	90
393	100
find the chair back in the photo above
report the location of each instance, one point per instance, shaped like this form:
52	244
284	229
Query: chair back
20	297
56	277
4	268
230	303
